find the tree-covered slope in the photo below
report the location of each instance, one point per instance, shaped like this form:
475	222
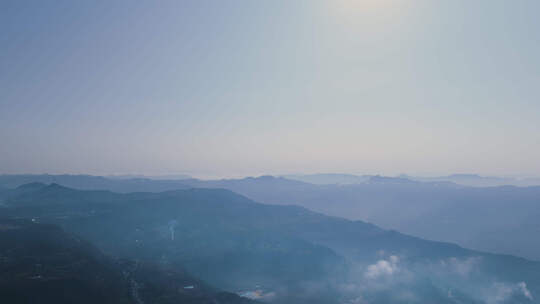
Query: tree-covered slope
40	263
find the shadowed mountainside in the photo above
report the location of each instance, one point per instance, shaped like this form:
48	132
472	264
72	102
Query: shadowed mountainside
40	263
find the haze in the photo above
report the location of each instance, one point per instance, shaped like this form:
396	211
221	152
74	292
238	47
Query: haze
225	88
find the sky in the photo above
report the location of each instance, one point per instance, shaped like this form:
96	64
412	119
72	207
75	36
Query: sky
235	88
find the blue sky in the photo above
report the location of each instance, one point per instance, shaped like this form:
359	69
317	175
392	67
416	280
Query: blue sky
230	88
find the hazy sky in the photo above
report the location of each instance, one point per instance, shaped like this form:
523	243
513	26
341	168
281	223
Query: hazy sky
228	88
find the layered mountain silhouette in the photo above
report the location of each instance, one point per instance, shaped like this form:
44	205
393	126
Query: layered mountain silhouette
474	180
500	219
281	254
90	182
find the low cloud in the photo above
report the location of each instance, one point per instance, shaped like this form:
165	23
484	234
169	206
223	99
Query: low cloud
383	268
502	292
523	287
397	278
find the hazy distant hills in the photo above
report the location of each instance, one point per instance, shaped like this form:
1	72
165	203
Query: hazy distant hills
495	219
329	178
90	182
473	180
281	254
152	177
40	263
347	179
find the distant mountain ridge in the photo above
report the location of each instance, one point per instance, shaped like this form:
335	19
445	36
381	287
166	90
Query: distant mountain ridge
476	180
91	182
152	177
329	178
463	179
437	210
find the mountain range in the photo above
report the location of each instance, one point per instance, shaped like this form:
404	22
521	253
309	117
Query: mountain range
473	180
500	219
278	254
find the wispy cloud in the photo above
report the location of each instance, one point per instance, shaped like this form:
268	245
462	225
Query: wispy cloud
502	292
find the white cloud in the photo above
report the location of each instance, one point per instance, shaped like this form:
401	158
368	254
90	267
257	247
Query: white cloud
382	268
